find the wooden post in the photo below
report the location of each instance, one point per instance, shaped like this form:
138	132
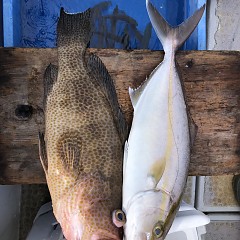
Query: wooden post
212	83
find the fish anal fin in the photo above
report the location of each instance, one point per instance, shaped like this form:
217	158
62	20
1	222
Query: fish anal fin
69	148
50	77
43	152
103	81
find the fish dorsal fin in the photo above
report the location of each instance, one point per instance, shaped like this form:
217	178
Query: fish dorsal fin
50	77
69	149
103	80
136	93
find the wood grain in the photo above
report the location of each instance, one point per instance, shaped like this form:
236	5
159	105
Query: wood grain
212	83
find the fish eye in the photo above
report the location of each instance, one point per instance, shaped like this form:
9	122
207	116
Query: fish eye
158	230
118	217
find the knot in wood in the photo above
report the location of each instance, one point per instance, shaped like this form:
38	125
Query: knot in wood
23	112
189	64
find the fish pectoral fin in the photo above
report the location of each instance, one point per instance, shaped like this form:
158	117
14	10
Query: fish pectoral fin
156	172
50	77
103	81
69	149
43	152
151	182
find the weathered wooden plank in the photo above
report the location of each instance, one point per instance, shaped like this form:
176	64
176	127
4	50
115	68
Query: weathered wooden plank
212	82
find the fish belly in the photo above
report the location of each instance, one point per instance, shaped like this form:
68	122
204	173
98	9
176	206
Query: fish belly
158	145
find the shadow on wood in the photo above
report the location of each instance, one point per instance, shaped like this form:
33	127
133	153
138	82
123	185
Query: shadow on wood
212	83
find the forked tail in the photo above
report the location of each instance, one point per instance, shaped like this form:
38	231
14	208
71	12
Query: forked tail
172	37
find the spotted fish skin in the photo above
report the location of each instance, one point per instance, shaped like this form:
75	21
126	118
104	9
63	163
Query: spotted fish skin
157	152
82	149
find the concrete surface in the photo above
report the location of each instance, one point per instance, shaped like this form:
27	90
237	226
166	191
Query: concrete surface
223	25
223	227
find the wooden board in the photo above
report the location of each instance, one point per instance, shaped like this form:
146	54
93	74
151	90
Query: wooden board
211	79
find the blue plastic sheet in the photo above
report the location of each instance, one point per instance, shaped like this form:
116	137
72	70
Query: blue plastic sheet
118	24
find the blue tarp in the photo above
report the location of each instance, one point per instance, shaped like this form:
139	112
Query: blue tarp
1	25
119	24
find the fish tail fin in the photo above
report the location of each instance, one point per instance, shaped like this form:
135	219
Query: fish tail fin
74	28
166	33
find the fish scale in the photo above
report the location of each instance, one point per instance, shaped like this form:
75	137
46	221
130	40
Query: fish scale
85	130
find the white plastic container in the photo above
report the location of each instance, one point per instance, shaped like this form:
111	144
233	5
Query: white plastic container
189	224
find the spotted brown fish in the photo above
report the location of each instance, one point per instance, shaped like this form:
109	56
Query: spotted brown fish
85	130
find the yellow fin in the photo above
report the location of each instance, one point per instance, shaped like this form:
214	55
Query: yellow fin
158	167
157	170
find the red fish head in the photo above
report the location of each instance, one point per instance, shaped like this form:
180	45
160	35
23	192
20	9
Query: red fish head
88	212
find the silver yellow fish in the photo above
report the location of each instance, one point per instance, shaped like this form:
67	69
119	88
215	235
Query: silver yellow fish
85	130
157	152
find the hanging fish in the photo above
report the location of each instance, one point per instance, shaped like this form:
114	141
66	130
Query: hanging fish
85	131
157	152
